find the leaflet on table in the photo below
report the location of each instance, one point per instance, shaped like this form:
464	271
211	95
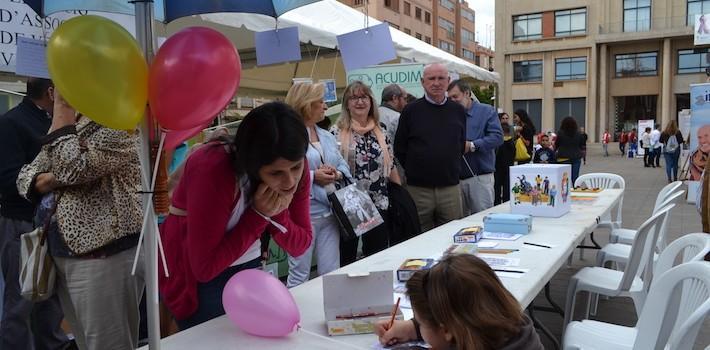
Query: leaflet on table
501	236
495	261
412	345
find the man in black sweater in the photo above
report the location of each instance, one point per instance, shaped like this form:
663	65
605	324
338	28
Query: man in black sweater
430	140
25	325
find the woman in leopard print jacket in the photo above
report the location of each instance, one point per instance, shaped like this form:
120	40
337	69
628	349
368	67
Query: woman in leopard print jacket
94	173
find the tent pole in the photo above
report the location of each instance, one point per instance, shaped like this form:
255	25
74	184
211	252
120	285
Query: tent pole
144	34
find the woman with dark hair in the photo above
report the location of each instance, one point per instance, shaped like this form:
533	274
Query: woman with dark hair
505	157
229	194
570	143
672	140
525	129
461	304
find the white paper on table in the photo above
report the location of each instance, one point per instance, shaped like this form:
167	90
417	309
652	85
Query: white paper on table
501	236
403	300
486	245
510	274
495	261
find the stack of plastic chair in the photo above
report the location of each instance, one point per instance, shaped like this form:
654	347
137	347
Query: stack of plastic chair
600	280
623	235
603	181
678	303
619	252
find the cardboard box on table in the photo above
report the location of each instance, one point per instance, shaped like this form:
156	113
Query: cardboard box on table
541	189
358	294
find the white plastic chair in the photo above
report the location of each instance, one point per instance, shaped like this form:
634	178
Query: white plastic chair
603	181
623	235
600	280
676	308
619	252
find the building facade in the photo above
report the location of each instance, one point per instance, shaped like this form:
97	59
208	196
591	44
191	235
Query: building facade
446	24
608	63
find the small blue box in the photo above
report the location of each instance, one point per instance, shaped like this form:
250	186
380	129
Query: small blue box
507	223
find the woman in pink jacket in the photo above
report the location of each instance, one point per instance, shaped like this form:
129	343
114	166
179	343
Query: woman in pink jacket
229	194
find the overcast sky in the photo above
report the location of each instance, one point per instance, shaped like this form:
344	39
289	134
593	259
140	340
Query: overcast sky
485	15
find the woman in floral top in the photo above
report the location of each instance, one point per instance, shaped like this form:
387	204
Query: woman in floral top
368	150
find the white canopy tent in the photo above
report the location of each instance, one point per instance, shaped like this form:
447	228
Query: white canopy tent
320	23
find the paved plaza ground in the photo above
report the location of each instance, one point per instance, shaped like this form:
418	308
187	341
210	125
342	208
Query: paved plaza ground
642	186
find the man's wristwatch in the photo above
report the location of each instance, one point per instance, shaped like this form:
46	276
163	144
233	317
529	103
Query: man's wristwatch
471	146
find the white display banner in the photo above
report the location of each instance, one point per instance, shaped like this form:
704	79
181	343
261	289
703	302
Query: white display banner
17	19
702	30
643	124
699	135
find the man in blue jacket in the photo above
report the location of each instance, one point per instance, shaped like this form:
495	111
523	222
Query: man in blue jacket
483	135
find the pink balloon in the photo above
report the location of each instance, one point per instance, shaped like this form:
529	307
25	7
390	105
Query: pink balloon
192	78
260	304
174	138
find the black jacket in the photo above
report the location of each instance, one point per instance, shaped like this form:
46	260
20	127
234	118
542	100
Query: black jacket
21	129
569	147
403	218
505	155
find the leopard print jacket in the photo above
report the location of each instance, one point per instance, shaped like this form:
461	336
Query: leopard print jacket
98	173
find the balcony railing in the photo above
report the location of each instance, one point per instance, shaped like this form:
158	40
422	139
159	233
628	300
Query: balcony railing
647	25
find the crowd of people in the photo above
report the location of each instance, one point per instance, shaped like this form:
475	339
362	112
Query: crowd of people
273	180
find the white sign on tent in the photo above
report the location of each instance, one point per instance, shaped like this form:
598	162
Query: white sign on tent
408	75
18	19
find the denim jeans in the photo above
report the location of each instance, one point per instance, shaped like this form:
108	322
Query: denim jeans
672	164
209	295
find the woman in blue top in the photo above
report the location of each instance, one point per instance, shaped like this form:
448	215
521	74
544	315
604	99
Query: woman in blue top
327	166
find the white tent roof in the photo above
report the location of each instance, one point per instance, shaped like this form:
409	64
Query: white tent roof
319	23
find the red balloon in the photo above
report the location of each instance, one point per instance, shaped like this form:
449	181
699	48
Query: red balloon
174	138
192	78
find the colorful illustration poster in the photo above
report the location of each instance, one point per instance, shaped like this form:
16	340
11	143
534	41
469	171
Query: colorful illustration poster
699	135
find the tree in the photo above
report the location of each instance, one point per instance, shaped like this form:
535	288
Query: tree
484	94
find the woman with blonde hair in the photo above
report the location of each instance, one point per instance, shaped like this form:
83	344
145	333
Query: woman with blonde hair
672	139
326	166
367	148
461	304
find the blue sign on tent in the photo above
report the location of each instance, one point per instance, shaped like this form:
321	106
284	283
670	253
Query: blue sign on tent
276	46
366	47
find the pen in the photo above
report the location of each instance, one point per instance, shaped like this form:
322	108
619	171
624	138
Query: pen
513	271
537	245
496	251
394	313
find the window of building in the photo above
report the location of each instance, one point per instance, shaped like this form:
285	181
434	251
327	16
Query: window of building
477	61
418	36
427	40
467	36
468	14
392	5
534	109
448	4
392	25
407	9
407	31
443	23
571	22
693	61
571	68
468	54
697	7
446	46
527	27
418	13
527	71
637	64
358	2
427	17
637	15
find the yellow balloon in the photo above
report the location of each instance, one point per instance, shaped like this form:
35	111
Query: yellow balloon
100	71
